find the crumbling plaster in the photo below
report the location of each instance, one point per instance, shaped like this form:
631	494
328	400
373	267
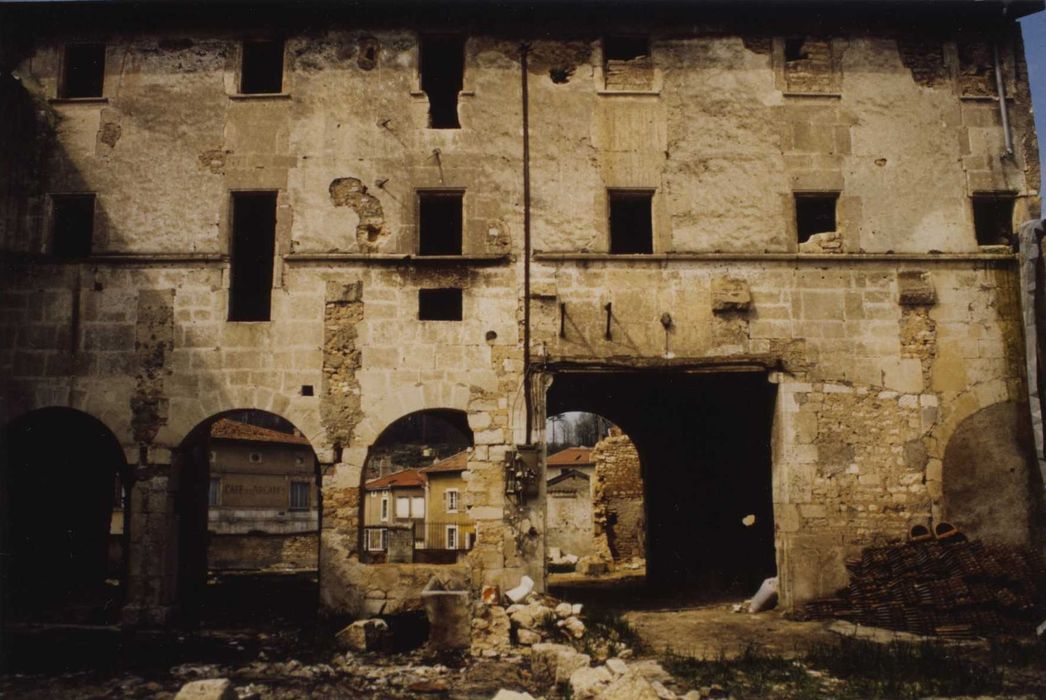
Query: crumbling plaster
715	137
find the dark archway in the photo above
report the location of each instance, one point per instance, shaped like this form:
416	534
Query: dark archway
704	444
59	475
249	506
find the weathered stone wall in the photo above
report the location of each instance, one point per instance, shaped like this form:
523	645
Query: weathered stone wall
259	551
569	517
618	498
870	392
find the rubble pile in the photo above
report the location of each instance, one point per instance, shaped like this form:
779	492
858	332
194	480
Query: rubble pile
952	588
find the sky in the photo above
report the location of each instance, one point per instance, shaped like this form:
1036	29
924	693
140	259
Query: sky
1034	28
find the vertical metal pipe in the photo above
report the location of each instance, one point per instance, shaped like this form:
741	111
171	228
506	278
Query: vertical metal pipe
528	390
1000	90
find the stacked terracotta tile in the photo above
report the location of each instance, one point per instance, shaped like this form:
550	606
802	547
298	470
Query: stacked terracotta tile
953	589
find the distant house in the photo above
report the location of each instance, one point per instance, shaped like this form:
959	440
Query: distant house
578	459
394	498
262	499
448	526
570	512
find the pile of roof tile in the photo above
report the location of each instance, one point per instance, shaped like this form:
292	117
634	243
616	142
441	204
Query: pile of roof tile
948	588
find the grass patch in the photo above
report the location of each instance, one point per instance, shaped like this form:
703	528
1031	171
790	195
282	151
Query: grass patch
855	669
753	674
901	670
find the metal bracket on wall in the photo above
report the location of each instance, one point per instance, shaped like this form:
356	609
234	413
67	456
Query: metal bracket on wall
610	315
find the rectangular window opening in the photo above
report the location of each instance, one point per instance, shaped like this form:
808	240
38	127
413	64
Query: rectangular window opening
377	539
452	536
253	248
815	213
625	48
261	71
442	77
439	304
83	72
993	218
72	232
440	223
631	222
450	497
794	49
214	492
300	495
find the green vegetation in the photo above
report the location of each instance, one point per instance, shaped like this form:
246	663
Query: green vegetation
852	670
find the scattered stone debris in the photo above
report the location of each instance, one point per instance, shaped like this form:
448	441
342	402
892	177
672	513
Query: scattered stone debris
208	689
948	587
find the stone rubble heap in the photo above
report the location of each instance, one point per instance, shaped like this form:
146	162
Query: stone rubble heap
947	588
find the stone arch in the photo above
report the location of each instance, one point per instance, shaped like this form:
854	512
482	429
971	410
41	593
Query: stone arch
189	415
60	469
987	474
407	400
225	443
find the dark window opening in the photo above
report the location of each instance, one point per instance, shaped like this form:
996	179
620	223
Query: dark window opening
439	225
439	304
814	213
73	229
307	390
253	247
993	218
631	222
442	77
84	71
300	492
625	48
794	49
262	68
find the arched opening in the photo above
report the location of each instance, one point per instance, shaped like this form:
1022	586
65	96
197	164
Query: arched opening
63	534
414	480
249	516
595	518
704	445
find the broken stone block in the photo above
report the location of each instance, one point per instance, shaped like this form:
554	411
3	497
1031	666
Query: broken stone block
365	635
449	616
915	288
554	663
530	616
662	692
730	295
828	242
589	682
527	637
630	686
505	694
491	595
650	670
564	610
575	627
520	592
617	666
592	567
207	689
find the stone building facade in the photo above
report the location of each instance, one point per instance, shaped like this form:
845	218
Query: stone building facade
756	228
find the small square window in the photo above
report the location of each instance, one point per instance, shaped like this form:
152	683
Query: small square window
300	493
631	222
255	457
440	223
439	304
626	63
377	539
262	69
814	213
83	71
73	226
993	218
